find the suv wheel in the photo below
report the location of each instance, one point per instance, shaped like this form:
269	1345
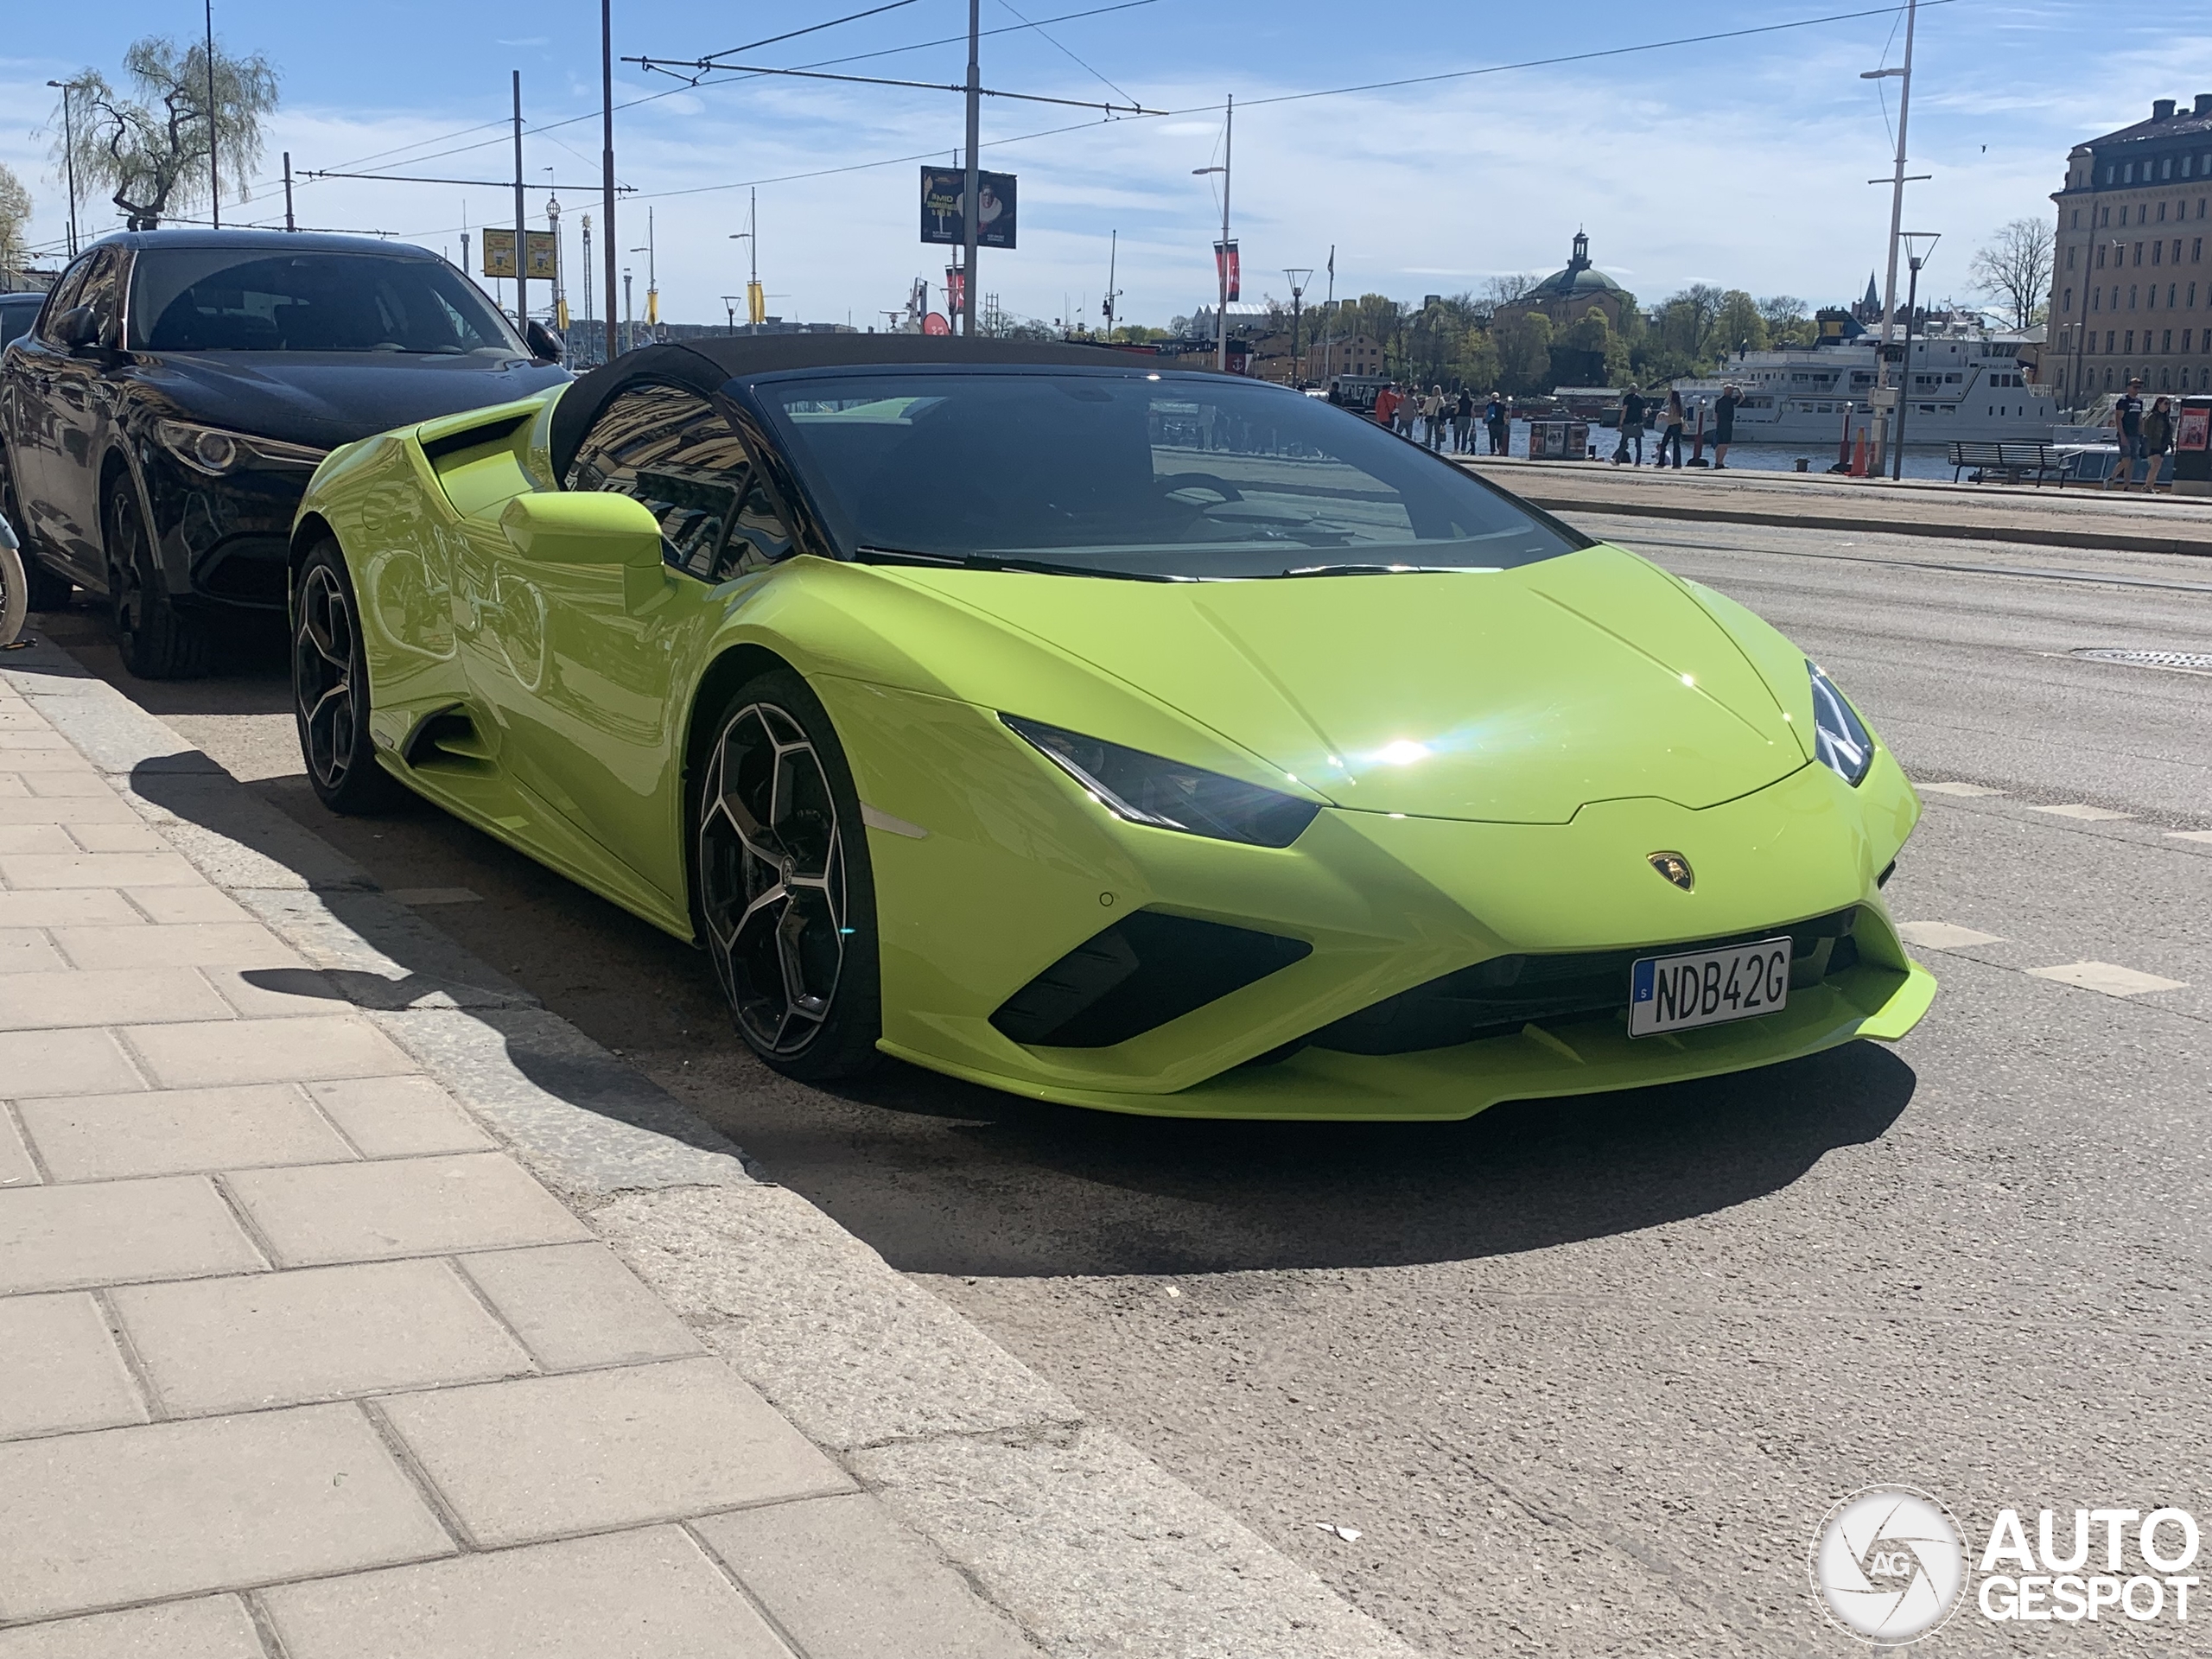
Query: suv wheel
157	642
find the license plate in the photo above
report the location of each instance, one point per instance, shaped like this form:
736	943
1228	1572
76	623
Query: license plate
1707	987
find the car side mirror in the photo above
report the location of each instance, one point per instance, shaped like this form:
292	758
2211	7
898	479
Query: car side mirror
589	527
545	345
78	329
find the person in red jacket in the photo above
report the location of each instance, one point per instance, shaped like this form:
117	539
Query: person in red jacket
1386	404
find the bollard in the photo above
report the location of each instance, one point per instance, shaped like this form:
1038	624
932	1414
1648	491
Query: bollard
1697	444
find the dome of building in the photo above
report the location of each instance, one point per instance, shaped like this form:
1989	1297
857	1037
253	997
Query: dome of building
1580	277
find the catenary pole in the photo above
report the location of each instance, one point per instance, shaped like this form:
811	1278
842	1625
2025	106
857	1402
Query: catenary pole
288	224
1221	316
68	160
971	184
1897	200
521	226
607	162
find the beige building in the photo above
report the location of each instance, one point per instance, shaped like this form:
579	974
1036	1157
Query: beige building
1568	296
1317	358
2131	291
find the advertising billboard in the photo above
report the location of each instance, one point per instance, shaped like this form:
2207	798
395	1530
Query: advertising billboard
941	215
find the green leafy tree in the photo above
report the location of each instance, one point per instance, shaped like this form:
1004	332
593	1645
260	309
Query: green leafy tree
1738	325
147	148
14	215
1786	321
1524	352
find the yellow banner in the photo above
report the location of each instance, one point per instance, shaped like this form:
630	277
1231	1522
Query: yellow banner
756	303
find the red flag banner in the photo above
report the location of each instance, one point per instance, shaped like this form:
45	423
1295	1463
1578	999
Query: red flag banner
956	289
1225	267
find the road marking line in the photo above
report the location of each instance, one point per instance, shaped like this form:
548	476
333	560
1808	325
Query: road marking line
434	896
2087	814
1943	936
2189	835
1955	788
2108	977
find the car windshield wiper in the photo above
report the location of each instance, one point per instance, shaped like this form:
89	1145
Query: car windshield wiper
1383	570
998	562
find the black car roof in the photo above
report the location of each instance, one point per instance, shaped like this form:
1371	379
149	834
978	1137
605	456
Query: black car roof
265	242
706	365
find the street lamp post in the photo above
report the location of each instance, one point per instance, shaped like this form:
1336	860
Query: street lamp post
1915	258
1297	277
68	161
971	182
629	315
1220	254
587	270
214	172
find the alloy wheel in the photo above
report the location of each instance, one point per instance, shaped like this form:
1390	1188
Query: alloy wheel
322	674
772	879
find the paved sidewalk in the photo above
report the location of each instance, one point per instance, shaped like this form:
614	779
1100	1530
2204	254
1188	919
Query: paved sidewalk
296	1359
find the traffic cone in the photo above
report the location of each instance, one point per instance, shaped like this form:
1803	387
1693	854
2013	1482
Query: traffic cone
1859	455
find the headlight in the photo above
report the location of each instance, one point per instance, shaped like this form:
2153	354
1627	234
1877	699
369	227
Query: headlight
211	450
1168	795
1840	742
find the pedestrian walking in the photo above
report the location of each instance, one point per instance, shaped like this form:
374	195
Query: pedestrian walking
1463	423
2128	428
1386	406
1498	423
1724	422
2158	440
1670	431
1432	407
1632	407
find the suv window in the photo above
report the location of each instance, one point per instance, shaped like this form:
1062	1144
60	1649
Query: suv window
672	450
238	299
103	294
63	298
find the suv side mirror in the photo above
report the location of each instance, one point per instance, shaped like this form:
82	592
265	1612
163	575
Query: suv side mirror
596	527
78	329
545	345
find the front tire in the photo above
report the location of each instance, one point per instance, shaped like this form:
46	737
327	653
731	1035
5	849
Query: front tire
158	642
786	892
330	689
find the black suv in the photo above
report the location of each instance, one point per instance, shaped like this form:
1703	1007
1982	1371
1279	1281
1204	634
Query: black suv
158	424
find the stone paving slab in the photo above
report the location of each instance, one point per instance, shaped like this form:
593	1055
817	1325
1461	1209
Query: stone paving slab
324	1333
128	1515
181	945
118	1233
554	1456
576	1305
405	1206
397	1117
212	1627
638	1595
177	1132
60	1369
121	996
265	1051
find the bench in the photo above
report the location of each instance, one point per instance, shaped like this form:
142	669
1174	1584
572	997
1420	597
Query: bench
2005	463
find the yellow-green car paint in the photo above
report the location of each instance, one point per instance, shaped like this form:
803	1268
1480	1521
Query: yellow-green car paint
1596	710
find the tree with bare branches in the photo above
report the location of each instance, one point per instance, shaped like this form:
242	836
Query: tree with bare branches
149	148
15	214
2014	270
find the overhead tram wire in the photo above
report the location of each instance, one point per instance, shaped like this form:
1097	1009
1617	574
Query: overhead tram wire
1040	28
1292	98
500	137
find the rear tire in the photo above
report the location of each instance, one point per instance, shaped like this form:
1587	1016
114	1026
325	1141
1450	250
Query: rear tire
330	689
157	641
787	891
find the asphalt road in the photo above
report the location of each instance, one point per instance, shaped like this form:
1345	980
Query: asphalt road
1583	1377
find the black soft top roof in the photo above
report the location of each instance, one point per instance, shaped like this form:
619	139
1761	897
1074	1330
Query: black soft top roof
706	365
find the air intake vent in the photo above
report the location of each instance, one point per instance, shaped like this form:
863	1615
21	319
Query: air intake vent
1143	971
1498	997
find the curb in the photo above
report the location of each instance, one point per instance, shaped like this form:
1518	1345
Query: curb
1091	1547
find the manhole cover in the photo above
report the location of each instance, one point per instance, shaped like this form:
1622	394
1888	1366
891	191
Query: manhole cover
2195	661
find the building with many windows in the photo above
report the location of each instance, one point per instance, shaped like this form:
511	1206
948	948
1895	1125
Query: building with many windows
2131	291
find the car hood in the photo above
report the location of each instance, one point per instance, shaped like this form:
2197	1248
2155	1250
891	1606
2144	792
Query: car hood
327	398
1514	696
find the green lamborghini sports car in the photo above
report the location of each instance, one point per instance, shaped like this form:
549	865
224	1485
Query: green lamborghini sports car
1102	731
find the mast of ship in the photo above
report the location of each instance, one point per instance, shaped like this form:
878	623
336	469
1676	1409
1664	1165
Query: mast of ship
1896	183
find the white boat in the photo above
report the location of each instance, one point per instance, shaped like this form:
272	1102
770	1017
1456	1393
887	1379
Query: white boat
1966	382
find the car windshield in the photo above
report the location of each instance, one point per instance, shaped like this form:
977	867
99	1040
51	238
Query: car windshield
1133	474
226	300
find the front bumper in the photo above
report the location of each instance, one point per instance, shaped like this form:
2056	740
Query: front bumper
1017	868
224	542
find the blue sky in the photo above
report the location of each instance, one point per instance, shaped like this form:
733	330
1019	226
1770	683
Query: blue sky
1738	162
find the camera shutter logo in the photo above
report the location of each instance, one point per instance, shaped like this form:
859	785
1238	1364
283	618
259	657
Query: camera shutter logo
1889	1564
